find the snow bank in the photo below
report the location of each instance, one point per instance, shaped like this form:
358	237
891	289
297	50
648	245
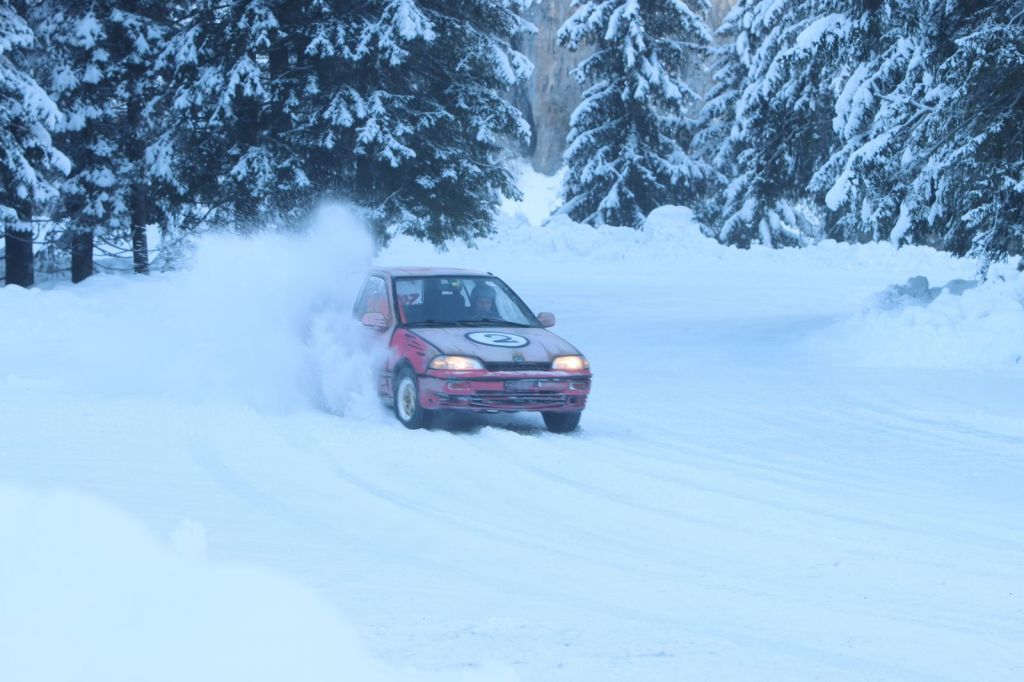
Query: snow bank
959	325
89	595
671	237
669	232
261	320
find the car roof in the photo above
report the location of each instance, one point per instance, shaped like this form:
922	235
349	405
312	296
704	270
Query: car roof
421	271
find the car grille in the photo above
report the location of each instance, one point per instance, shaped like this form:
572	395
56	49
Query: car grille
506	402
517	366
518	401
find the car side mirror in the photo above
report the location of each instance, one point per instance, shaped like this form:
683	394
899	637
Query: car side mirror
546	319
374	321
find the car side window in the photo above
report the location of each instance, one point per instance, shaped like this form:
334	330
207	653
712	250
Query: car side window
373	299
410	299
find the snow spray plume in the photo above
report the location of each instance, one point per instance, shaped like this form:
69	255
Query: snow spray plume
261	320
271	314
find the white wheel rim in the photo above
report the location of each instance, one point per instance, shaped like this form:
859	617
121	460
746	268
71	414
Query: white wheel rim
406	402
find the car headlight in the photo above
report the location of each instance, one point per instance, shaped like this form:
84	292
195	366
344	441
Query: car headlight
455	363
570	363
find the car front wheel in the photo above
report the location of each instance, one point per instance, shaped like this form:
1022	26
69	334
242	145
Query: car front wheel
407	401
561	422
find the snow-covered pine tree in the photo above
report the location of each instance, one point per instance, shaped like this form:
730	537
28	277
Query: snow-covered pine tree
878	89
218	148
773	94
716	138
628	146
394	104
69	32
90	46
966	153
431	120
29	159
320	108
925	142
112	127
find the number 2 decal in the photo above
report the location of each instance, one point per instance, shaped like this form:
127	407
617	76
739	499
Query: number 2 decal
498	339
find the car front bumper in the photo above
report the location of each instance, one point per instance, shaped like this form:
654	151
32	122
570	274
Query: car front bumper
504	391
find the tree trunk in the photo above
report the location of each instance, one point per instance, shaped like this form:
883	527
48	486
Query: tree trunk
18	256
139	191
276	122
140	249
365	185
81	255
247	111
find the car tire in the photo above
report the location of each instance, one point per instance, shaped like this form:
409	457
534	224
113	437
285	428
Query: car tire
561	422
407	401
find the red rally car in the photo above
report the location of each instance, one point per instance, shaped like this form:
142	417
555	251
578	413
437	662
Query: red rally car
463	340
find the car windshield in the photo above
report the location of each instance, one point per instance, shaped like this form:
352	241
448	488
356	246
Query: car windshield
460	301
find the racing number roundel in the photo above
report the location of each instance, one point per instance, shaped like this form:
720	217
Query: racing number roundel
499	339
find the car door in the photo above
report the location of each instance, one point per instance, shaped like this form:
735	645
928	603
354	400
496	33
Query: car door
375	299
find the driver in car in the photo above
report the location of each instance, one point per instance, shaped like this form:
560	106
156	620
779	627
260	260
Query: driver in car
481	303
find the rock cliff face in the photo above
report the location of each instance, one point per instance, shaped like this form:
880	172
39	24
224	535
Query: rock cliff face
552	93
719	8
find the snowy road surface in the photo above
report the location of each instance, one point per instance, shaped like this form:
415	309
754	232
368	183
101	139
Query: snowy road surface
743	502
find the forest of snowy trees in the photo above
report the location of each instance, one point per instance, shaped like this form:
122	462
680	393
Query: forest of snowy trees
119	114
854	120
870	119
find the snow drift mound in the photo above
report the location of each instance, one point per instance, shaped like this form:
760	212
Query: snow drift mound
673	241
670	233
960	325
263	320
88	595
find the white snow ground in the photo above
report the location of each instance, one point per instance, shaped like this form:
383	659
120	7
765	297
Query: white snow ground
782	475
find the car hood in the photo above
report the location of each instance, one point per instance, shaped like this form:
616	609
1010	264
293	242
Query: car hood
497	344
